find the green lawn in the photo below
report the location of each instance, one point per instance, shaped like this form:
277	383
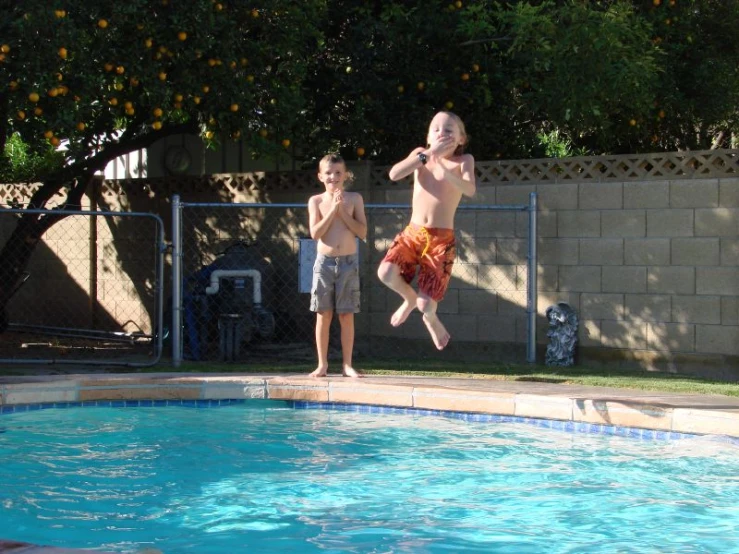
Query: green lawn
600	377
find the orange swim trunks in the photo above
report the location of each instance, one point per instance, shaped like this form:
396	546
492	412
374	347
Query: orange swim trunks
432	250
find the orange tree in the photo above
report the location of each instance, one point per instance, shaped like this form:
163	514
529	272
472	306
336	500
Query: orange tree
100	79
530	78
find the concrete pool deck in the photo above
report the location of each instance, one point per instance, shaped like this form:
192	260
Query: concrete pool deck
660	411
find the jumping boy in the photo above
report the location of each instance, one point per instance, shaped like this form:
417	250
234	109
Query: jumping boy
336	219
442	173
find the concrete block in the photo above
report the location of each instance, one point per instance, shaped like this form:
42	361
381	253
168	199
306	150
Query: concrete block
623	223
729	248
698	193
594	196
561	196
717	339
628	279
580	278
648	307
728	193
695	251
671	280
602	306
650	194
578	224
696	309
559	251
729	310
670	223
671	337
623	334
717	280
647	251
602	252
717	222
496	224
506	195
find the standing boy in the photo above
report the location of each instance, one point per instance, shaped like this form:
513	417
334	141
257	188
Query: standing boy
442	173
336	219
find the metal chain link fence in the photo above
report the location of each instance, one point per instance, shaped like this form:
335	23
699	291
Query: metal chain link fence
90	291
242	275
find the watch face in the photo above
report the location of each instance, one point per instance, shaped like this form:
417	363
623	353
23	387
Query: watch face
177	159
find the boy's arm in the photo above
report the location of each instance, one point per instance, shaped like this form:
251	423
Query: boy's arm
464	182
408	165
319	225
357	223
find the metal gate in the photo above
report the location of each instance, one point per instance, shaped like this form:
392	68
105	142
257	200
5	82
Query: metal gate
240	274
91	292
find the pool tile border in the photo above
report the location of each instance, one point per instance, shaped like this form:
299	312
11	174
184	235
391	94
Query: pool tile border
689	414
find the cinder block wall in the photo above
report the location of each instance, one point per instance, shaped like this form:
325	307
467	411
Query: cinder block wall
645	248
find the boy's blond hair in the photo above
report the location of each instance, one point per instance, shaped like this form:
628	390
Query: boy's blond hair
335	158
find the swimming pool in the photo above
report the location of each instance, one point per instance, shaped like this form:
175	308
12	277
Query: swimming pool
261	476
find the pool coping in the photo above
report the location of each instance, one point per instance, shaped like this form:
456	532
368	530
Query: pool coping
660	411
619	408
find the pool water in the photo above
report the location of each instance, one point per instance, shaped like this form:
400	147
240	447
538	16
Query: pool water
264	477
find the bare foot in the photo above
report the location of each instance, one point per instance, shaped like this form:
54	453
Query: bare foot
437	330
319	372
402	313
351	372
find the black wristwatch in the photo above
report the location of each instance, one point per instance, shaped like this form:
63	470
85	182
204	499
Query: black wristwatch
422	157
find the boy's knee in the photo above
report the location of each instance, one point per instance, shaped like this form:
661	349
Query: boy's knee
385	271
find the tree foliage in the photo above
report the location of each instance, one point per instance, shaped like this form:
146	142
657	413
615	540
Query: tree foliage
530	78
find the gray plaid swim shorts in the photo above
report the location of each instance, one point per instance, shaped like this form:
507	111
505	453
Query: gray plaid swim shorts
335	284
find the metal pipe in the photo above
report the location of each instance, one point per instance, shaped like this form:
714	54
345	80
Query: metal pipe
532	295
218	274
176	281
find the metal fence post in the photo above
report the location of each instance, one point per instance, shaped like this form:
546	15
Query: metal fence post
176	281
532	292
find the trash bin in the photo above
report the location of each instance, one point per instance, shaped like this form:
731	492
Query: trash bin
231	329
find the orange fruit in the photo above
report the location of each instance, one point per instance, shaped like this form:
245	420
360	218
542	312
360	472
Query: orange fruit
60	13
162	76
632	122
33	97
128	105
255	13
421	85
120	70
156	125
48	134
178	98
4	48
37	111
285	143
54	141
196	99
81	126
234	107
206	88
148	43
360	151
475	67
236	134
449	105
13	85
263	132
182	35
113	101
102	23
401	89
21	115
53	92
130	111
63	53
250	78
465	76
108	67
157	112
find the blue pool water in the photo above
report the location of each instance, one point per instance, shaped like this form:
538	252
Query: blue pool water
264	477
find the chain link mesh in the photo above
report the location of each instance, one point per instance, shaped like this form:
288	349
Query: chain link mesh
246	274
89	293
